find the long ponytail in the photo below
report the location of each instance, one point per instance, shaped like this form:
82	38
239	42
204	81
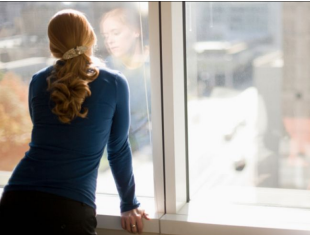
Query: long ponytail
68	83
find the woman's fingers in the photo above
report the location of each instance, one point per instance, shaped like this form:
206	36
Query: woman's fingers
133	223
143	214
146	216
128	224
139	223
132	220
123	222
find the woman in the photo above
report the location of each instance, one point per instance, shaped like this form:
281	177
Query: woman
76	109
122	32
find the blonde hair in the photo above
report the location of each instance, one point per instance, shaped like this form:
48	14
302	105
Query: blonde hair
68	83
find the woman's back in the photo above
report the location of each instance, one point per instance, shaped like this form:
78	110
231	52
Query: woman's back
64	158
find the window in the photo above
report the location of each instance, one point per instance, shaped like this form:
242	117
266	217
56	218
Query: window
228	88
247	97
24	50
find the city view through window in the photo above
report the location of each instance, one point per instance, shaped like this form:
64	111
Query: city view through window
248	97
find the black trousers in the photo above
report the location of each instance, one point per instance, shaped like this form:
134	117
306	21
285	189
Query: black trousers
34	213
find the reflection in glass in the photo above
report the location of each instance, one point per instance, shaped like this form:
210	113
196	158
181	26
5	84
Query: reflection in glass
248	97
24	51
124	40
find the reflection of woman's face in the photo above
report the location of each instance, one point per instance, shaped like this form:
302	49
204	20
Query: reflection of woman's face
119	38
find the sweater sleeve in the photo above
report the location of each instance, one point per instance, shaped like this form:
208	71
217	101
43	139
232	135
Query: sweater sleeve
119	151
30	96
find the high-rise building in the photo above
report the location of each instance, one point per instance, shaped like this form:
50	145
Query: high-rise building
296	48
296	87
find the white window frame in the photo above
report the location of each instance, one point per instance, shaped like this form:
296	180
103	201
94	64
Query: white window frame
173	105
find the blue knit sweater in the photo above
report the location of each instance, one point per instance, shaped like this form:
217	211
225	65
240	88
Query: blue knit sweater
63	159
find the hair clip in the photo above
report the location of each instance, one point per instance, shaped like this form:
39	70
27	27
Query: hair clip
74	52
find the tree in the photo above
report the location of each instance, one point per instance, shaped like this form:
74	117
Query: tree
15	123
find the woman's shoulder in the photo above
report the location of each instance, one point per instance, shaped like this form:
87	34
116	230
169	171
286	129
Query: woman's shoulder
45	72
111	75
111	79
39	78
109	83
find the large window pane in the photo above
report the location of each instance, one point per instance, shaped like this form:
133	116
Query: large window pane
122	31
248	100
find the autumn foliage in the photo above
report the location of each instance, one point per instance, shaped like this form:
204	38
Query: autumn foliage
15	123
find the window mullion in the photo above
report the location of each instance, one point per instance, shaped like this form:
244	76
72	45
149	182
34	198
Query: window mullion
156	98
173	105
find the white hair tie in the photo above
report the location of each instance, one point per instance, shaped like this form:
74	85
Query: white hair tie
74	52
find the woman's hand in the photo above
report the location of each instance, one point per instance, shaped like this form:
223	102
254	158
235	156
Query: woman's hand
132	220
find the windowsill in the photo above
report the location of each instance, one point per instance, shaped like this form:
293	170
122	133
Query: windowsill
208	213
225	219
200	217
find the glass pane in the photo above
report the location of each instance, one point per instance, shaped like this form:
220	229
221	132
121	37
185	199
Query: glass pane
122	33
248	101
